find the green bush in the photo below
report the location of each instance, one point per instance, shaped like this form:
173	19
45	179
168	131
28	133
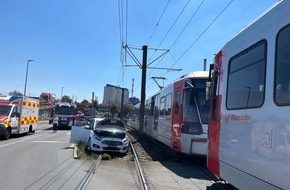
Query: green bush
106	156
82	153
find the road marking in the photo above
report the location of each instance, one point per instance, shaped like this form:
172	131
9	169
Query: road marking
35	136
50	141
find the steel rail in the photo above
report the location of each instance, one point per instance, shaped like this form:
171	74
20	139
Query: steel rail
139	168
88	176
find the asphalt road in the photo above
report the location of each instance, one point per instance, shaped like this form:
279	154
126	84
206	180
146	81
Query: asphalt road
43	160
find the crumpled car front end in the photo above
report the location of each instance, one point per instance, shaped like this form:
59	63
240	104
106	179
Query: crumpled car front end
109	139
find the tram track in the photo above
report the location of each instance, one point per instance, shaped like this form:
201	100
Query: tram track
85	181
131	155
140	171
144	148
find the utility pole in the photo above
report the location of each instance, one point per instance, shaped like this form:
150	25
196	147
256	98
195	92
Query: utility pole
61	93
122	105
132	88
27	64
143	87
92	111
144	66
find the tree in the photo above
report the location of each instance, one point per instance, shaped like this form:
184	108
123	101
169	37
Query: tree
42	100
66	98
96	104
127	109
85	102
114	109
15	93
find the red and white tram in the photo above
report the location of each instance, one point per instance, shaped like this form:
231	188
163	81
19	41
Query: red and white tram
249	132
178	115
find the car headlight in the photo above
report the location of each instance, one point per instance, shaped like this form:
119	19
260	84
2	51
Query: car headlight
97	137
126	140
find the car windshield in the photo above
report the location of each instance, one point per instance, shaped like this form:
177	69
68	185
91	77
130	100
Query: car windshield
110	134
112	122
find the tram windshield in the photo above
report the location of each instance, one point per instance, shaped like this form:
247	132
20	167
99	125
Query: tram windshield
193	96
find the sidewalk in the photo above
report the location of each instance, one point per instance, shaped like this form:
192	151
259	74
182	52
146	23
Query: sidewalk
159	176
43	121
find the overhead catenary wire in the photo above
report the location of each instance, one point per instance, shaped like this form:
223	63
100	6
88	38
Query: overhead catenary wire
123	37
120	11
177	18
198	8
202	33
126	39
205	29
127	7
184	28
158	22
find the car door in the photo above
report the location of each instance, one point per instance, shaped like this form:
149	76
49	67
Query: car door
80	134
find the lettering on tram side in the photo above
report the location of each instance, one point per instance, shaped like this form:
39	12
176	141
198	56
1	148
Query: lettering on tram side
233	117
175	129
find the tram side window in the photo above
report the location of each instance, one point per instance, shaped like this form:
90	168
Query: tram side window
246	79
282	68
152	106
157	111
215	97
162	106
177	102
168	104
147	108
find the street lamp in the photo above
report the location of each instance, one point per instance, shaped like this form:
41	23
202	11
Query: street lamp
61	93
26	76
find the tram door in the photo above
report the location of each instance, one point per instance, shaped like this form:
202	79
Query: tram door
175	140
215	117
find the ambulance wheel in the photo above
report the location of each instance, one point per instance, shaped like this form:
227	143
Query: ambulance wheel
7	134
30	129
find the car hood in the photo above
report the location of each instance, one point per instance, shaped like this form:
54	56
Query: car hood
110	131
110	128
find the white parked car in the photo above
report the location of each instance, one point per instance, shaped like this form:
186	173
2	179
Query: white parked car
105	135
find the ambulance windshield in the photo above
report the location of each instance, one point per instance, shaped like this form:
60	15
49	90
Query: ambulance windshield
5	110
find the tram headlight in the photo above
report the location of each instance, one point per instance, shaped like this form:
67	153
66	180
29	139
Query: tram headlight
192	128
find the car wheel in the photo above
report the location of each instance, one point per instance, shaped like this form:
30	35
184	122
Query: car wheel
7	134
88	147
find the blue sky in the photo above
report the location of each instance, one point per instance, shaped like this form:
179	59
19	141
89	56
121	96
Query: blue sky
77	44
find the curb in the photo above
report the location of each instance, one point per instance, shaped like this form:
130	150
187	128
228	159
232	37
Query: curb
75	156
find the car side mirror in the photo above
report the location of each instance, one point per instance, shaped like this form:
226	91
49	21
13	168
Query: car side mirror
87	127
